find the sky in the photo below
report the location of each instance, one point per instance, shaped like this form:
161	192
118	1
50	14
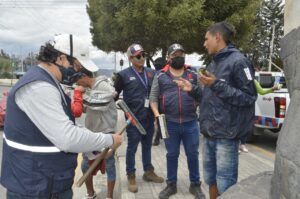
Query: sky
25	25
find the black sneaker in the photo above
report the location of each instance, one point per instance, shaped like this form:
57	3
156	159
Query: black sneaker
171	189
195	189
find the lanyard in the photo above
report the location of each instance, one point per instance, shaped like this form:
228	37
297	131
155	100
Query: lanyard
145	83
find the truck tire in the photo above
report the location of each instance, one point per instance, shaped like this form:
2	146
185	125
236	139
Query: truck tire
254	133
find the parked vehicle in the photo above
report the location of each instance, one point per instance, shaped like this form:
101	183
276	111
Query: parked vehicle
270	109
3	108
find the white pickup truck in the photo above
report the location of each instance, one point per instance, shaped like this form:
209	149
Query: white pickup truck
270	109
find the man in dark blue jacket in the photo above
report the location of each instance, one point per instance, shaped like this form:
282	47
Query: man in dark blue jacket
227	106
135	82
180	111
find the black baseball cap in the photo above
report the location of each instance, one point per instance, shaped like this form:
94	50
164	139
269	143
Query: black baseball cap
175	47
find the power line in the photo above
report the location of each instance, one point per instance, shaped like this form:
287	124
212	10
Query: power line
75	4
44	28
3	26
43	7
39	16
7	28
41	2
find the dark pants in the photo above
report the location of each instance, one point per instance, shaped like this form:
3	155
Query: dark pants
134	138
244	138
188	133
68	194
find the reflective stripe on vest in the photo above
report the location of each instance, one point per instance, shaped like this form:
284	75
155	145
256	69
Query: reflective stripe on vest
35	149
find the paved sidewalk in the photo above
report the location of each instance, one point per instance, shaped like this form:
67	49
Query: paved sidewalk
249	164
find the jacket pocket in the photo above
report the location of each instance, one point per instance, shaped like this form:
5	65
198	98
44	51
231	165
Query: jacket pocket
189	106
171	104
223	119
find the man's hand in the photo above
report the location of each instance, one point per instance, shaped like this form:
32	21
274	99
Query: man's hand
80	88
183	84
208	79
117	141
114	94
277	87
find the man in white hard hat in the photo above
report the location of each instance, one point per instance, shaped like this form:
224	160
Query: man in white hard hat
41	140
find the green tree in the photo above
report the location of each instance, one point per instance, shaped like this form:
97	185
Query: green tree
5	65
270	14
156	24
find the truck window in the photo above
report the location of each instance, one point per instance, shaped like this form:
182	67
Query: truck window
282	81
266	80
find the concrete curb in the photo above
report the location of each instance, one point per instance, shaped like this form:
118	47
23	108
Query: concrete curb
8	82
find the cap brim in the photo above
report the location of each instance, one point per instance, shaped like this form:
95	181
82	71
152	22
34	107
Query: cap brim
176	51
89	65
137	52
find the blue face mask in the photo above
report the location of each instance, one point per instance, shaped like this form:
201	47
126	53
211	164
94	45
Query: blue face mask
69	75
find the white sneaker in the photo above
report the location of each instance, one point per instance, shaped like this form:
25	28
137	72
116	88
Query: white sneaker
243	148
90	197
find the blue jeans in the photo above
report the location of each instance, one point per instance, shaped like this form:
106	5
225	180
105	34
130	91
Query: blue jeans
220	162
68	194
110	166
188	133
134	138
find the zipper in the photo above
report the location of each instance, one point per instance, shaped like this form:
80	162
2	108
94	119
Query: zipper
163	104
180	108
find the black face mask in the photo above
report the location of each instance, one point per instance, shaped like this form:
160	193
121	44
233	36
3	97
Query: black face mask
69	75
177	62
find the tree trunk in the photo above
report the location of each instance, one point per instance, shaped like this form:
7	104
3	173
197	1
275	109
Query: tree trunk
164	53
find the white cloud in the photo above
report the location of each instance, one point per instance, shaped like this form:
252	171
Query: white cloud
27	24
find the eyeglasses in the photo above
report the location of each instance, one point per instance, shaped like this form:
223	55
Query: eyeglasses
139	56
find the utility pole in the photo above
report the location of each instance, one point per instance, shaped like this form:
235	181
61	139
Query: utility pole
21	57
121	63
271	48
31	55
12	70
115	61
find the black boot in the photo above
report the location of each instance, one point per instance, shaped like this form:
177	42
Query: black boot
195	189
171	189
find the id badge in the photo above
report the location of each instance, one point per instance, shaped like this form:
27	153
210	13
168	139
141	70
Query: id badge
146	103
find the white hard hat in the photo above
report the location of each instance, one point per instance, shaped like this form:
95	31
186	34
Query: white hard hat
75	47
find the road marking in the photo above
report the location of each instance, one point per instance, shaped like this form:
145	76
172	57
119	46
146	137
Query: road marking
264	152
